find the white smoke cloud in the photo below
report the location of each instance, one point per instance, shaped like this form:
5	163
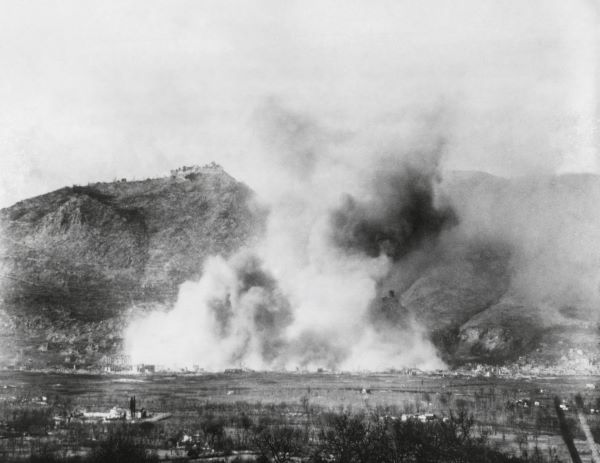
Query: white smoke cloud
218	322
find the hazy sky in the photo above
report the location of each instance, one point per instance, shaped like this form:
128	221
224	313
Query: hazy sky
109	89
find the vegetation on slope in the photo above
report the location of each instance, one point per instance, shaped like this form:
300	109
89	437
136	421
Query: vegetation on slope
93	250
85	254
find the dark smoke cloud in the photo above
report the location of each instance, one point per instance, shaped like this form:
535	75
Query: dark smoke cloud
399	215
272	312
251	275
386	311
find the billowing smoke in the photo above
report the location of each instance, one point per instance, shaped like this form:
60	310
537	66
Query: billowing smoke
399	215
373	254
344	213
234	314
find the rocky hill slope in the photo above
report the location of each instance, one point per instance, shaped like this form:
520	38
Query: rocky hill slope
79	256
515	280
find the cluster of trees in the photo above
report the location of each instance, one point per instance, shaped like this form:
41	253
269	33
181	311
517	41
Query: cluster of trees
332	437
358	438
119	447
25	420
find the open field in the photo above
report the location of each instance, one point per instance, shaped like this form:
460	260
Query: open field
515	415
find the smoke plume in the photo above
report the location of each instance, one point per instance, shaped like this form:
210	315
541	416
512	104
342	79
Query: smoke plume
234	314
346	214
399	215
372	250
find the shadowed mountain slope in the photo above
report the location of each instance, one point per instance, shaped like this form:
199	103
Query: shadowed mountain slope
92	250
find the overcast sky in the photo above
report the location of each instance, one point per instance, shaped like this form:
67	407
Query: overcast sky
109	89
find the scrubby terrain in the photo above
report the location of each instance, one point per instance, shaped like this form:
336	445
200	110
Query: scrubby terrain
73	261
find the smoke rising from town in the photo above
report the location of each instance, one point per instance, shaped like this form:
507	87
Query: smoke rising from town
300	298
351	230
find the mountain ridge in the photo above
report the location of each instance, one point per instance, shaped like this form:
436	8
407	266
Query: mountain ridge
78	261
87	253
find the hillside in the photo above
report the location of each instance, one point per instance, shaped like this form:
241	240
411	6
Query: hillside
543	306
515	279
81	255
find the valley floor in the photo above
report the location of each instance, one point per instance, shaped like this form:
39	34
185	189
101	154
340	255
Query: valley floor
515	415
